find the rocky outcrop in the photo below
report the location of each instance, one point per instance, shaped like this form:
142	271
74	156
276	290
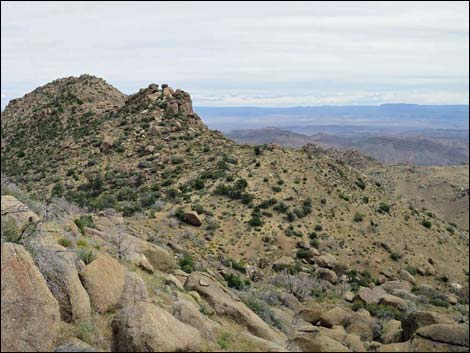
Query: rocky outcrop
17	210
145	328
30	318
227	304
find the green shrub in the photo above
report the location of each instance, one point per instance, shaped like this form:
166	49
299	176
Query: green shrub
86	255
224	340
84	221
66	243
58	190
395	256
235	281
358	217
379	310
304	254
384	208
187	264
426	224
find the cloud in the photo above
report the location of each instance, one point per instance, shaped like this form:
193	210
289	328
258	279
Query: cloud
281	50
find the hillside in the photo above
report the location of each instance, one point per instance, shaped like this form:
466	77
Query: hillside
441	189
288	231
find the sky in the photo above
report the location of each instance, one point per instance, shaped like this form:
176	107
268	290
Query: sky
274	54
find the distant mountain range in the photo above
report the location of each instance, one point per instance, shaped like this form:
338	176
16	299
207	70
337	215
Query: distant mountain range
419	147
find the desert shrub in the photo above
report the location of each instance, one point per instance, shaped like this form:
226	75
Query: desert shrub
82	243
263	310
304	254
247	198
395	256
276	188
86	255
426	224
187	264
224	340
84	221
281	207
65	242
9	230
358	217
357	280
267	203
360	183
379	310
198	184
290	231
384	208
318	228
58	190
412	270
343	196
235	281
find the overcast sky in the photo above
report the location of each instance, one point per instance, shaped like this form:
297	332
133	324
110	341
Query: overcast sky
245	54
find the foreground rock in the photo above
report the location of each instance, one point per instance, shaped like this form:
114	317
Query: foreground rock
227	304
450	334
30	314
145	328
318	343
60	271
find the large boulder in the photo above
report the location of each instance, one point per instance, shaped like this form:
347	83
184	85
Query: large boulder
104	280
406	276
188	312
159	258
193	218
417	319
318	343
392	332
328	275
107	143
59	268
30	315
134	291
143	327
361	323
390	286
394	301
311	314
335	317
327	261
225	303
441	338
370	296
